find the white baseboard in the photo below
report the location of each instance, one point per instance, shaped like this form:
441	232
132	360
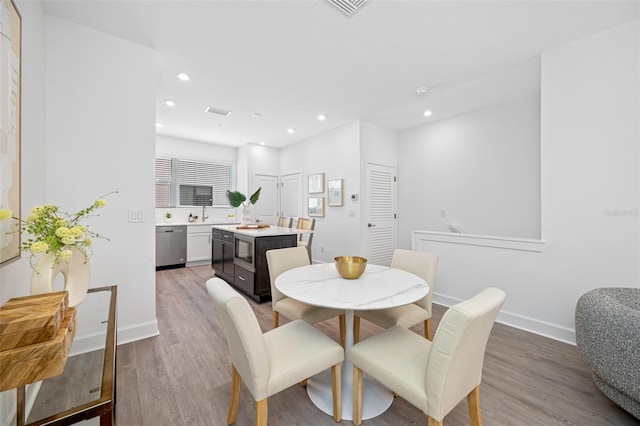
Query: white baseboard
138	332
542	328
92	342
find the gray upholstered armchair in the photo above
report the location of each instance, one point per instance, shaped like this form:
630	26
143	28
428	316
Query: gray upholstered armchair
608	339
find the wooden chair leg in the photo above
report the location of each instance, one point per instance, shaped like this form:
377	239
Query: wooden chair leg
473	405
427	329
261	412
434	422
356	329
336	391
276	319
357	396
236	383
343	330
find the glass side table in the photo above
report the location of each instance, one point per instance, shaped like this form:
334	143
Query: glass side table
87	386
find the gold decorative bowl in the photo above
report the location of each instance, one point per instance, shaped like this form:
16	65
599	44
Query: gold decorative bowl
350	267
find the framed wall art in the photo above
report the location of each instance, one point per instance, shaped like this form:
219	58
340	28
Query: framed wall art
316	206
10	85
334	193
316	183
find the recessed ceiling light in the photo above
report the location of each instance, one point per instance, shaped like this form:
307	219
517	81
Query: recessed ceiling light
322	117
169	102
183	76
263	143
159	124
427	113
291	131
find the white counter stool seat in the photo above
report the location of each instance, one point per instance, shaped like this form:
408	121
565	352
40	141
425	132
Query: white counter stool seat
271	362
421	264
433	376
304	240
285	222
281	260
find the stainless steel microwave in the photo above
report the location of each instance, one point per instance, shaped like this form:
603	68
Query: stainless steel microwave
244	251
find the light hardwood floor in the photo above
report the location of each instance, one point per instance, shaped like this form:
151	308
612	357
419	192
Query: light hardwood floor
182	377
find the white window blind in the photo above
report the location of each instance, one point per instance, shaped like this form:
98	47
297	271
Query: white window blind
193	175
163	182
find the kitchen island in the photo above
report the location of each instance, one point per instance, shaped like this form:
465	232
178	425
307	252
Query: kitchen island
239	256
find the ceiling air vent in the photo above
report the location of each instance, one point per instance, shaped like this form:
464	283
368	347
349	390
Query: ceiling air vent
214	110
348	7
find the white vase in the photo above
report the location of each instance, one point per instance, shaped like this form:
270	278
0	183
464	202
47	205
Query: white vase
76	272
246	215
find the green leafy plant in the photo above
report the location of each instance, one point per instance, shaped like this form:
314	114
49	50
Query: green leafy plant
168	215
237	199
53	231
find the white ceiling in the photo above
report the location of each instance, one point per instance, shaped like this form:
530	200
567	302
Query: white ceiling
291	60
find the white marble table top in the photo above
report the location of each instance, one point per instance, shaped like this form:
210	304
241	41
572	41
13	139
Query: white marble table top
380	287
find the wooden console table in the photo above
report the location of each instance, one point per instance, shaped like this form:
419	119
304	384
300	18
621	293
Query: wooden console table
87	387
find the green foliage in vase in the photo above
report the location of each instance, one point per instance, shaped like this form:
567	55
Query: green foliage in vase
237	199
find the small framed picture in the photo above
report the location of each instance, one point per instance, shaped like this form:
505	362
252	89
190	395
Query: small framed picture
334	193
316	183
316	206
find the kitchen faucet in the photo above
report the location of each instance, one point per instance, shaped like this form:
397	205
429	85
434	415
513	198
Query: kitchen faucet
204	213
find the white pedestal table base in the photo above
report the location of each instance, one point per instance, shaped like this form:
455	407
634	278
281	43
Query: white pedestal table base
376	399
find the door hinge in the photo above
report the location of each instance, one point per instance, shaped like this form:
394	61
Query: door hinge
394	178
394	216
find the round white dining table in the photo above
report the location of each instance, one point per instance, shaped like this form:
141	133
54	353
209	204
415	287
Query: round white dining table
380	287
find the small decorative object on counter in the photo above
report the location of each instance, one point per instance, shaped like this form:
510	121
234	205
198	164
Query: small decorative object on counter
65	245
167	217
190	217
237	199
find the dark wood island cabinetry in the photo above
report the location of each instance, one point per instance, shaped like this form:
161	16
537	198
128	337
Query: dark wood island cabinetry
239	256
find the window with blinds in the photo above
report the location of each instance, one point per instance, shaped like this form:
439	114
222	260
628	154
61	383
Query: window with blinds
194	183
163	182
204	183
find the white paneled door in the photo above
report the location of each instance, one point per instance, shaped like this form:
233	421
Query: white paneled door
380	213
291	195
266	209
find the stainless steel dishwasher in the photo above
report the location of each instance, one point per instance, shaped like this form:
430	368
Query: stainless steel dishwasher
171	246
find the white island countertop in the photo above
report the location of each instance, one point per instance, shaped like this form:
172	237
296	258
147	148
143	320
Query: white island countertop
212	223
271	231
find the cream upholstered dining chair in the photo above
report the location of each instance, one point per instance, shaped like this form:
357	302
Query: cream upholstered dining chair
285	222
433	376
421	264
304	240
271	362
281	260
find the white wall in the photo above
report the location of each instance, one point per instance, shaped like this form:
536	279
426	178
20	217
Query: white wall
194	150
15	277
482	168
100	136
335	153
262	159
590	164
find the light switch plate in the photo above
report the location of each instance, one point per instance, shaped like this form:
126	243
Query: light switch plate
136	215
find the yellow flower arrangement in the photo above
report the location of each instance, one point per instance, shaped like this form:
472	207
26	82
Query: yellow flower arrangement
54	231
